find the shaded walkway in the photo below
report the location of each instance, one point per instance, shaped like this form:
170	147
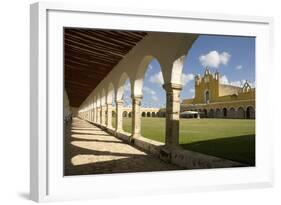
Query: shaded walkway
90	150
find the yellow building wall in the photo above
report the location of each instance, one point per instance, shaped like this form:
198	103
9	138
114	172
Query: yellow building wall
220	96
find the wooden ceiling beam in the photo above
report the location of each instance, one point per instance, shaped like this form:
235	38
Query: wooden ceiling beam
90	54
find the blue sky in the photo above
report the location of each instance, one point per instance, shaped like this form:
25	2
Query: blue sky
232	56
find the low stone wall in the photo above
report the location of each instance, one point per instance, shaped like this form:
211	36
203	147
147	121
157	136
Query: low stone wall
194	160
151	146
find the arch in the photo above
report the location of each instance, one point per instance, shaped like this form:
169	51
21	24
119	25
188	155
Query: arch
110	93
250	112
143	114
153	114
141	70
94	102
232	113
130	114
125	113
113	113
98	100
240	113
177	67
211	113
121	83
205	113
218	113
103	97
224	112
148	114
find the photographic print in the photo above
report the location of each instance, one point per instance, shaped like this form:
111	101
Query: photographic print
141	101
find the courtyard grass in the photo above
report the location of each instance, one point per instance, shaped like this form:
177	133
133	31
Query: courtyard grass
232	139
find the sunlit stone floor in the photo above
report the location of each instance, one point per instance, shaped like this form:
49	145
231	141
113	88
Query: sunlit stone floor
90	150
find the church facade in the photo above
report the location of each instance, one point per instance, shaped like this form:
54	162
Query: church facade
215	100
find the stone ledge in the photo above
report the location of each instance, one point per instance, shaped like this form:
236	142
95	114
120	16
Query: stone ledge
195	160
149	145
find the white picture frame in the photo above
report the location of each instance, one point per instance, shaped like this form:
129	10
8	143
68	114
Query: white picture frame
47	182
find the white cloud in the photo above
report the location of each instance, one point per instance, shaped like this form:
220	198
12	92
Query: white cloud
224	58
214	59
239	67
149	67
239	83
185	78
148	90
224	80
154	98
253	84
157	78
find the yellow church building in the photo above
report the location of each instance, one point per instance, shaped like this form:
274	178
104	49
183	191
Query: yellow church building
215	100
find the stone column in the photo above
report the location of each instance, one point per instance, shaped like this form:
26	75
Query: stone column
109	116
136	116
93	111
119	117
94	114
97	111
90	115
98	115
172	113
103	114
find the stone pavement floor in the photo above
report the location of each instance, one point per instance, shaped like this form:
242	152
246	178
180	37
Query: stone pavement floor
90	150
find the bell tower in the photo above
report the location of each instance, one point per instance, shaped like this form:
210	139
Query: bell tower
206	87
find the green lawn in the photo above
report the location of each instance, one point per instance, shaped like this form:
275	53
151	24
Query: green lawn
232	139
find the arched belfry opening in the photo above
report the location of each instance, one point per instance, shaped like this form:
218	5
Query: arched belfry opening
207	96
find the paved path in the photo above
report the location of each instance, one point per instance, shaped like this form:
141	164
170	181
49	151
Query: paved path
90	150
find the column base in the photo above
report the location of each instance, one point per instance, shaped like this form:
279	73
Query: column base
133	137
166	152
119	131
136	135
109	127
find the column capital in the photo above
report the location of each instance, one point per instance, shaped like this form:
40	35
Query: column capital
136	97
172	86
119	101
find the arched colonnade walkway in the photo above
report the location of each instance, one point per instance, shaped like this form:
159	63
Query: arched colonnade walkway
170	51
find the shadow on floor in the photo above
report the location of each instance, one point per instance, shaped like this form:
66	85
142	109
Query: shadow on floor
237	148
105	161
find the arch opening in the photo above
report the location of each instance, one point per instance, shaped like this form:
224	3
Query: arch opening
240	113
250	113
224	111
